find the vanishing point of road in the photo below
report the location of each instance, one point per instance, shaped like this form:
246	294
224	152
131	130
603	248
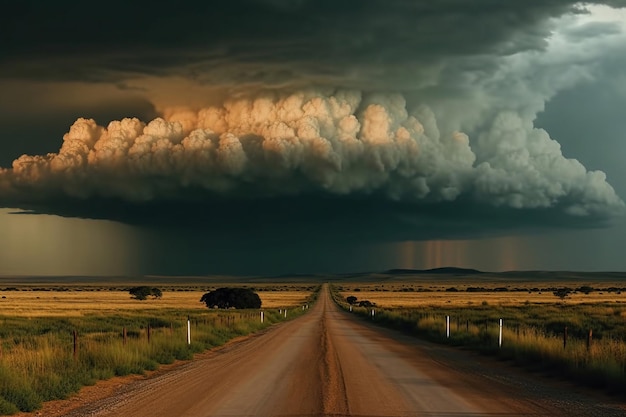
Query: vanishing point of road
330	363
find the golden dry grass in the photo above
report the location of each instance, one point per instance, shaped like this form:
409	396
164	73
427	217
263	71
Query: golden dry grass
77	303
393	296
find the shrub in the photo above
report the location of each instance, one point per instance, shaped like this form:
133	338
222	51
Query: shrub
231	298
351	299
562	293
7	408
143	292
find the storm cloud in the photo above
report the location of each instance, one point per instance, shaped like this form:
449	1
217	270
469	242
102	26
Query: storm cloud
311	144
414	118
276	43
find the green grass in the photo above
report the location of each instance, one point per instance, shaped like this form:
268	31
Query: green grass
533	335
38	362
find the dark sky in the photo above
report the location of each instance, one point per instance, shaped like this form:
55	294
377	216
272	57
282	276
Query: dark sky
314	129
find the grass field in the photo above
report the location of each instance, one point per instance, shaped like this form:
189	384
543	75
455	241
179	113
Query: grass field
421	294
77	301
37	321
581	336
40	360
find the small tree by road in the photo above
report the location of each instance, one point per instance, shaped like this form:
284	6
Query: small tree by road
351	299
143	292
231	298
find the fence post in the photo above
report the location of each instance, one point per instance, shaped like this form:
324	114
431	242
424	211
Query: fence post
447	326
188	330
500	335
75	344
565	337
589	337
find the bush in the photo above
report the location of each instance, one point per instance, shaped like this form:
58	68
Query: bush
143	292
7	408
231	298
562	293
22	396
351	299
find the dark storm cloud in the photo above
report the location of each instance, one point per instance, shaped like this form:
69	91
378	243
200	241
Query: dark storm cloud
312	220
313	138
342	43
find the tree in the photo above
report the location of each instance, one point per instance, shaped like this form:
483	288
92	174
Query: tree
562	293
351	299
143	292
231	298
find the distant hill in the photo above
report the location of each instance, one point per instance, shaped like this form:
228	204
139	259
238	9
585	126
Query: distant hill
435	271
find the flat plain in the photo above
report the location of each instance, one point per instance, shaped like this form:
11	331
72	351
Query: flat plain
328	363
78	300
419	300
434	294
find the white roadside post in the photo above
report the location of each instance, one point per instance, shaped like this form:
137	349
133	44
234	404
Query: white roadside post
351	308
261	316
500	337
448	327
373	313
188	330
285	313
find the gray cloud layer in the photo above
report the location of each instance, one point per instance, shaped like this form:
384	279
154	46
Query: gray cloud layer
269	42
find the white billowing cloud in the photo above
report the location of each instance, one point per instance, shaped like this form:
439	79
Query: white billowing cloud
522	167
333	142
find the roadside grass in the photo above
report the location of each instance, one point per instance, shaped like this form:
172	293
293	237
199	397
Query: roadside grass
38	361
552	337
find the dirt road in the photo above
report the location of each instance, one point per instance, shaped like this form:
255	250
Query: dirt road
328	363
